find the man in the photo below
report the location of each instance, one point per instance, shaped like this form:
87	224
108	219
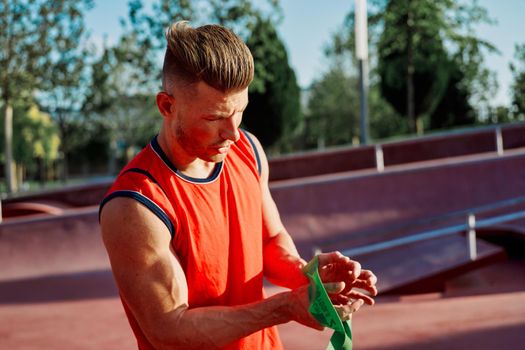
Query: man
190	226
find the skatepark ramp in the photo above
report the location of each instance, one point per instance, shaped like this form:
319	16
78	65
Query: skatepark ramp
337	211
493	140
423	262
478	141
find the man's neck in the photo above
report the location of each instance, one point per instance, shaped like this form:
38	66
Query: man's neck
186	164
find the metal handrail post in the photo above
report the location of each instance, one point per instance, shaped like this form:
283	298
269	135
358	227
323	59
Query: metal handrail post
380	162
471	237
499	141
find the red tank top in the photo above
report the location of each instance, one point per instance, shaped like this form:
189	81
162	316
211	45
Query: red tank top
216	228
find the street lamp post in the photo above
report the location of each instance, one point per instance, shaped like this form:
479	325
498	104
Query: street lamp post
361	50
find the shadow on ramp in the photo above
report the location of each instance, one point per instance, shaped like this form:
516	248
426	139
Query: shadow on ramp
77	286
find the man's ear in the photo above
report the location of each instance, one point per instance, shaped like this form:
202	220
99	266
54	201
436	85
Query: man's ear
165	104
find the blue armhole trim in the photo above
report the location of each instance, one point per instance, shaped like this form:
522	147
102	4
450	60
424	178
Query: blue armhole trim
145	173
254	151
148	203
140	171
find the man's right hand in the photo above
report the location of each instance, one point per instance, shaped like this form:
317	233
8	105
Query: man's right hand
300	304
299	308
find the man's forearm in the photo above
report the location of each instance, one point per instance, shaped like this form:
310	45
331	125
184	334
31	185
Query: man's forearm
216	326
282	263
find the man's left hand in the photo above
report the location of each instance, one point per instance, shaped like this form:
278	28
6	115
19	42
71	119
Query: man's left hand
335	267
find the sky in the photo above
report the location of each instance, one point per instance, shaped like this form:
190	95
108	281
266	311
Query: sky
308	27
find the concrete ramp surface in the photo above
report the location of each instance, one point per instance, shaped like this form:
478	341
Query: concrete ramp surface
57	291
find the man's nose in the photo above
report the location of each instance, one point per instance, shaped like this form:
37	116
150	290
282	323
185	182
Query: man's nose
230	130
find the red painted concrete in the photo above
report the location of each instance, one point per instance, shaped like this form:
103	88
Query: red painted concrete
56	289
342	212
11	210
350	209
513	136
342	159
482	310
45	245
322	162
69	196
420	149
424	266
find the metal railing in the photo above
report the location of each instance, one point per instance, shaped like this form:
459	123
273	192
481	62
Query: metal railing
496	129
470	225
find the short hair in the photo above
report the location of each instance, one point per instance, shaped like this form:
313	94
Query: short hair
210	53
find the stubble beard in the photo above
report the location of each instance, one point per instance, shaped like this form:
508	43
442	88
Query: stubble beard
192	148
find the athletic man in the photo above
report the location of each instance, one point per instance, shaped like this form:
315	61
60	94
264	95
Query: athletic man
190	226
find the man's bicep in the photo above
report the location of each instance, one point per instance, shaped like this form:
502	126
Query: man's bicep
271	219
148	274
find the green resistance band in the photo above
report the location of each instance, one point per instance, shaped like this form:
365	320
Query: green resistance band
322	309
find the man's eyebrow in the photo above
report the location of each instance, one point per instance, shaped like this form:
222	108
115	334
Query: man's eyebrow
224	115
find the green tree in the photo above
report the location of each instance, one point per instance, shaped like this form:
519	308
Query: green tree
412	59
63	88
118	101
454	108
341	80
36	142
143	41
427	58
144	28
30	37
274	111
428	52
37	138
242	15
384	121
518	86
333	113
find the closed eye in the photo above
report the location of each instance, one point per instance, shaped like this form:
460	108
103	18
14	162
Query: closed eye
213	118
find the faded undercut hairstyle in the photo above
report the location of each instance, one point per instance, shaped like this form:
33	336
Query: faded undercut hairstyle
211	53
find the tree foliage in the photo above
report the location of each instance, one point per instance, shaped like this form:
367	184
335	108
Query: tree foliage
62	92
144	30
333	113
145	27
341	81
429	48
413	64
32	35
274	111
118	102
36	140
518	85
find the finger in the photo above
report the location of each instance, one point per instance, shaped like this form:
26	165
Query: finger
339	299
356	305
336	273
356	269
345	311
334	287
368	276
362	285
336	259
358	295
332	258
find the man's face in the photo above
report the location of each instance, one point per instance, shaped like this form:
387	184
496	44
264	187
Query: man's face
207	121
